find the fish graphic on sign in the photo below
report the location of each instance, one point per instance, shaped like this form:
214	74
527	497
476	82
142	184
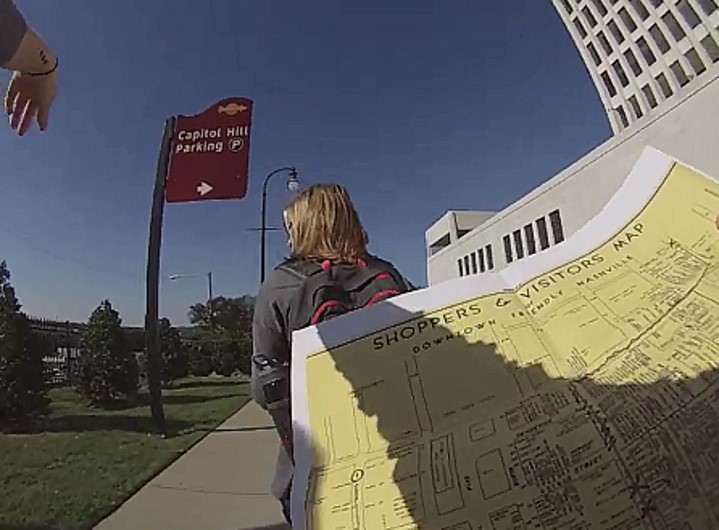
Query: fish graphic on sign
231	108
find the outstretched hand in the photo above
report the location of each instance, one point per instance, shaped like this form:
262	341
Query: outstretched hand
29	97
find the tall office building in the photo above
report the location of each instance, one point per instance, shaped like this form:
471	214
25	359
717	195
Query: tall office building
655	64
640	52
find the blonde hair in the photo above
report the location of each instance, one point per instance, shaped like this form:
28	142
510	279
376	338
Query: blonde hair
322	223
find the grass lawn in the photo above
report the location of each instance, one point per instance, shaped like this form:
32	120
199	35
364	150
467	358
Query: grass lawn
81	463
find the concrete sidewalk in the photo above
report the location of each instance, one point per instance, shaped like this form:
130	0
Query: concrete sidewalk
222	483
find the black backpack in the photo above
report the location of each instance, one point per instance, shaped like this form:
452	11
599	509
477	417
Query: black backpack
327	290
331	289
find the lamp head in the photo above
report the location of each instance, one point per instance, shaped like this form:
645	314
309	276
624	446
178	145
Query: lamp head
293	183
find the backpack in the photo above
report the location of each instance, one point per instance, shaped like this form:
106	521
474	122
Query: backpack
329	289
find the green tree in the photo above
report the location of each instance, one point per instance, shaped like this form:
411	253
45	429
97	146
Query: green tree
135	339
108	371
174	356
22	378
224	356
201	358
227	337
233	316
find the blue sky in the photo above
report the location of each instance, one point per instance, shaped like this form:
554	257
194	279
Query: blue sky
416	106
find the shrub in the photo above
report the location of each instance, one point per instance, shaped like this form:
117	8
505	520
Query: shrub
107	369
174	356
22	378
200	359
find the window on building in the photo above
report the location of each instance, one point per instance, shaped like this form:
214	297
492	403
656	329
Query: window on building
627	20
679	73
600	7
633	62
621	75
518	244
580	28
611	90
646	50
593	53
640	8
589	17
604	42
659	39
616	32
710	45
473	262
555	219
695	61
466	265
480	258
688	13
508	256
542	233
489	255
441	243
708	6
673	26
664	85
460	267
531	242
636	108
622	116
649	96
567	6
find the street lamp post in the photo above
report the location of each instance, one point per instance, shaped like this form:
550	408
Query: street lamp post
210	306
209	292
292	184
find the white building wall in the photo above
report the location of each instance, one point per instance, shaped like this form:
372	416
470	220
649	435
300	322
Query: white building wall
640	53
686	127
452	226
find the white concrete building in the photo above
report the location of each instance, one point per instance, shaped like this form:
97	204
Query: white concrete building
641	52
681	120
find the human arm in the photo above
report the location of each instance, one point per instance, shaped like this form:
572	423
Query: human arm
32	88
12	31
272	350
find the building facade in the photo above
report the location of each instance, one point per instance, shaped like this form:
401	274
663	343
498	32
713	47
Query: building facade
681	120
642	52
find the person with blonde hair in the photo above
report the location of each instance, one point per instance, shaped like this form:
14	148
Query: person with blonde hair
329	273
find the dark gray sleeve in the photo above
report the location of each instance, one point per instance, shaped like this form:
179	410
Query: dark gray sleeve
12	30
270	335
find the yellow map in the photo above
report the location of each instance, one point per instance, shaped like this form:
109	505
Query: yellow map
587	398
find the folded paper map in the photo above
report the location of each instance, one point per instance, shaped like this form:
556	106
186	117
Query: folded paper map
575	389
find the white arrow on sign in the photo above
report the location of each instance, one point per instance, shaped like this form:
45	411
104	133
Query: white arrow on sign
204	188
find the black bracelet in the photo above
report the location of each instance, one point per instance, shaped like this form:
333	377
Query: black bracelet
41	74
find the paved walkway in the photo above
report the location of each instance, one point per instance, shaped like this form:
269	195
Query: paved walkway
222	483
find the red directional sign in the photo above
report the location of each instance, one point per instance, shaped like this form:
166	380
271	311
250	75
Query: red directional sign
210	153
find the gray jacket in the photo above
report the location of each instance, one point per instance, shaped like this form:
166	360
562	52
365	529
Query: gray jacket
12	30
271	332
271	335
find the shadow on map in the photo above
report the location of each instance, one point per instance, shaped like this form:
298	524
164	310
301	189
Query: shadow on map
574	452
